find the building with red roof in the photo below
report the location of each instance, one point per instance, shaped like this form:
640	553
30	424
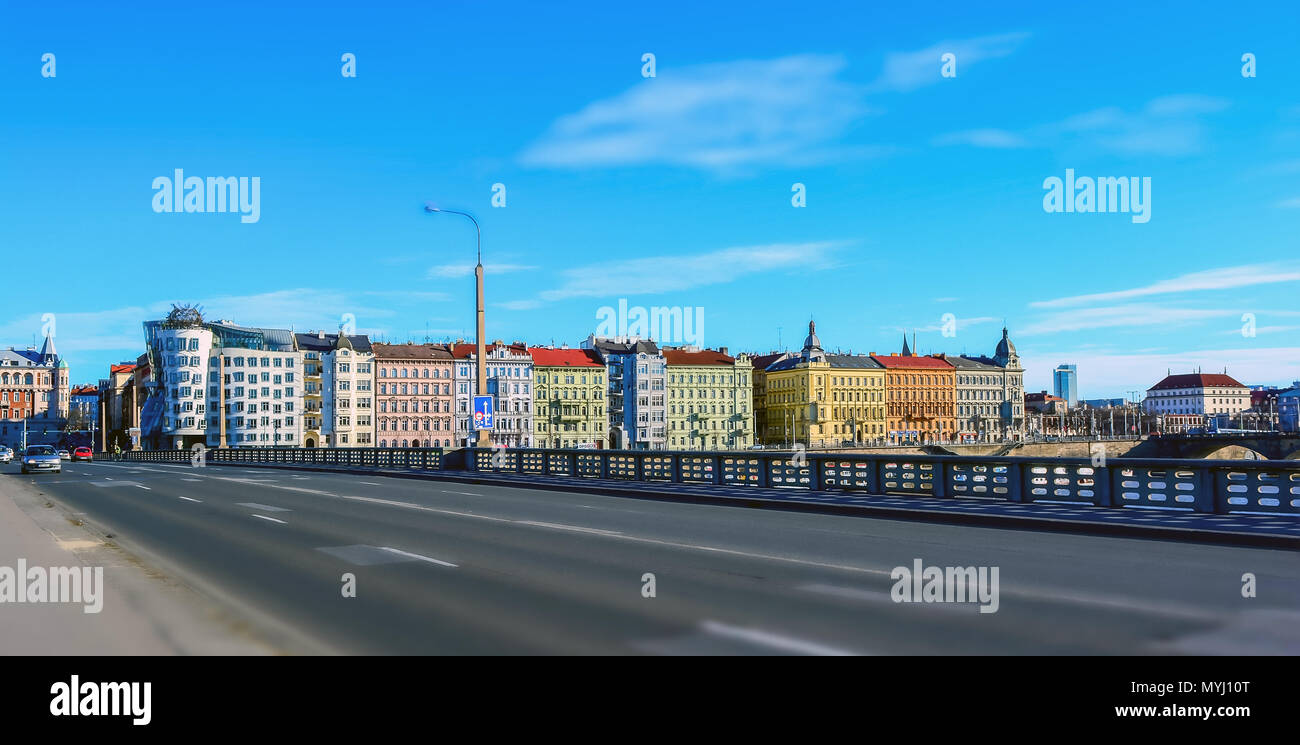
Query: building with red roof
920	395
1190	400
710	399
570	409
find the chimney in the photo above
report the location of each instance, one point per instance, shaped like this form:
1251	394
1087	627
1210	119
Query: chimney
722	350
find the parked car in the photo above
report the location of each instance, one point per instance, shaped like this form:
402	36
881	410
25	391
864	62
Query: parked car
83	454
42	458
64	454
6	455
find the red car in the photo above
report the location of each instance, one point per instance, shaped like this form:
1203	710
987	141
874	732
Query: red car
83	454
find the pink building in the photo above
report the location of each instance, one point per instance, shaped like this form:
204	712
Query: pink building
414	396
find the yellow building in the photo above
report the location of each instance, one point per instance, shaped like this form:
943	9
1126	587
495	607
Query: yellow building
824	400
569	408
710	399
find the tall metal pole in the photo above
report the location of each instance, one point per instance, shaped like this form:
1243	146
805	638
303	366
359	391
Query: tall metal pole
483	438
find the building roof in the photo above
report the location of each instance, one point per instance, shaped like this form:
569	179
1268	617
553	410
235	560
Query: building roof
84	390
853	361
329	342
762	361
640	346
1043	397
1196	380
962	362
409	351
123	368
701	357
552	357
464	351
914	362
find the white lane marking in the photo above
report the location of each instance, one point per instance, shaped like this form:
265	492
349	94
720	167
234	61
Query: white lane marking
272	519
576	528
369	483
1026	592
409	555
191	479
262	507
773	641
191	499
142	486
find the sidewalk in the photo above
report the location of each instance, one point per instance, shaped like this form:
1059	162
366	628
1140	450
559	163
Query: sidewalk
142	611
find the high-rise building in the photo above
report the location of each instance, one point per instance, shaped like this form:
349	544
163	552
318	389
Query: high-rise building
569	398
710	399
1065	383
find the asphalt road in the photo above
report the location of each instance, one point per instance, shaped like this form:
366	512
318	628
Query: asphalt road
454	568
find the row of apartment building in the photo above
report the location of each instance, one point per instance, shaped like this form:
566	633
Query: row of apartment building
221	384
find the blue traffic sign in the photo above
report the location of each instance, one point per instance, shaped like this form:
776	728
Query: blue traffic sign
482	412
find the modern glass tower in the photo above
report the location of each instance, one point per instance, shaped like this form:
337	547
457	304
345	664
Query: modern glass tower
1065	379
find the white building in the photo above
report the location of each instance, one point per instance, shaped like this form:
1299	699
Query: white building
1188	400
509	382
202	370
347	387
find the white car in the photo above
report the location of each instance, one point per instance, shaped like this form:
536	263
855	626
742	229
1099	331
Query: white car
6	455
41	458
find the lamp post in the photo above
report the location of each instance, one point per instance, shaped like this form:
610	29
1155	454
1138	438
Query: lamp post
483	438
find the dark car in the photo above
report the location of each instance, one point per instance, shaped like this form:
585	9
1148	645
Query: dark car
83	454
42	458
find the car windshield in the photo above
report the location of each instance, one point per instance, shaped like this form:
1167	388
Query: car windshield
40	450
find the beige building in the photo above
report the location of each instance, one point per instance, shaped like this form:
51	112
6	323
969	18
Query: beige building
710	399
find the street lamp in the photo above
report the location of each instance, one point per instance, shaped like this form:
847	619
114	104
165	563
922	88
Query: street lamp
483	438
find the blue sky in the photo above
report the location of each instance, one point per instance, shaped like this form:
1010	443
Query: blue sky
924	193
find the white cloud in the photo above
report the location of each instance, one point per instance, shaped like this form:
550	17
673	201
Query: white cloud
1168	126
1119	315
654	275
905	71
1290	204
452	271
785	111
987	138
1211	279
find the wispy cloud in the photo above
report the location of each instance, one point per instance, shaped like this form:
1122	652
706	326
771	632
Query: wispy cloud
985	138
452	271
1137	314
1290	204
1211	279
1167	126
905	71
655	275
786	111
961	324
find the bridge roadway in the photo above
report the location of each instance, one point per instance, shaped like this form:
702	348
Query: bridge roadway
445	567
